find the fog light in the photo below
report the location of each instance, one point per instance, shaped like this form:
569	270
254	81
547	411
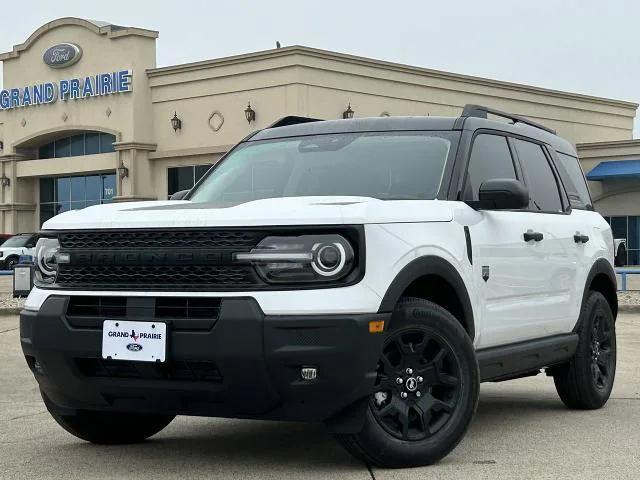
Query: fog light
309	373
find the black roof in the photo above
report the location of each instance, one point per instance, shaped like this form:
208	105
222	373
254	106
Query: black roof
385	124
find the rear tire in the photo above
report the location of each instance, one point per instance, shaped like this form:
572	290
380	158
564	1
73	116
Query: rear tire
585	383
108	428
10	263
426	392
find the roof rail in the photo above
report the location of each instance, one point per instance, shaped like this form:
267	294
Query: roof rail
479	111
292	120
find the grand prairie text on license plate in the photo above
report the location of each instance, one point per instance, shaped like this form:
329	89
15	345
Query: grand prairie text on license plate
141	341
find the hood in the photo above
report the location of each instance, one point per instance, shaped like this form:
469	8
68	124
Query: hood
267	212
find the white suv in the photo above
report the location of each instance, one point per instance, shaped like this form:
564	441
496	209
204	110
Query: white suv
364	273
13	248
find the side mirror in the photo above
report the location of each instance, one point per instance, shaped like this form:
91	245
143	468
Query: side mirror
179	195
502	194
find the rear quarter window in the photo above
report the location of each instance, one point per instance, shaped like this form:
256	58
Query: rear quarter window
574	182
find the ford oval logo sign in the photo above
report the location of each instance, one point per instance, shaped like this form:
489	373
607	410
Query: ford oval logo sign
62	55
134	347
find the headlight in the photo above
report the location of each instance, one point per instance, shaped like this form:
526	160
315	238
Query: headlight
48	257
307	258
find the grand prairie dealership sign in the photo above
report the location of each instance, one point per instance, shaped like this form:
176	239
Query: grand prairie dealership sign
67	89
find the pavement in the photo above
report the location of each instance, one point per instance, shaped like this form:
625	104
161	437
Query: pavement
8	304
521	431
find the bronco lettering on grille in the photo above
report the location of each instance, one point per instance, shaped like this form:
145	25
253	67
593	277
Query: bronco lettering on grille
155	257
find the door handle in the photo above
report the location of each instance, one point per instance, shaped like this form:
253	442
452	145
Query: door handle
579	238
531	235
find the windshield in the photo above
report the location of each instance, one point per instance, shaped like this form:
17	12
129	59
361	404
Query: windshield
388	166
17	241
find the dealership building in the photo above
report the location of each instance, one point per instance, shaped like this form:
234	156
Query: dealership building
86	117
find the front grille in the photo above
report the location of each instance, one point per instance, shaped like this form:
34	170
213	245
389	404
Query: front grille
183	313
127	239
173	370
157	276
167	259
199	259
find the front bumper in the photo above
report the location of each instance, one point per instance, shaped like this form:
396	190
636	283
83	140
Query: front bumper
247	365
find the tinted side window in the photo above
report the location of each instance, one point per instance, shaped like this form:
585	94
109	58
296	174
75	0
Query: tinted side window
32	242
573	180
542	184
490	158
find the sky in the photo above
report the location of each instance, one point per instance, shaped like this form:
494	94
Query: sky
583	46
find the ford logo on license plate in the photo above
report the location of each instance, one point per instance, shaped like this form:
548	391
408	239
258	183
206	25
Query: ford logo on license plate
134	347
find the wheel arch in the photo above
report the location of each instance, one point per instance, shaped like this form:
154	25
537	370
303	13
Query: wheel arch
8	257
418	278
601	278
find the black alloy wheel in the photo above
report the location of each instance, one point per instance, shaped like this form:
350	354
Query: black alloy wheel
601	351
586	381
425	393
418	385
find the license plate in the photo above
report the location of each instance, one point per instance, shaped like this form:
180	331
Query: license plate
140	341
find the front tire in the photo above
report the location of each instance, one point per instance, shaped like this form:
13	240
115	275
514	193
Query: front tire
10	263
426	392
108	428
585	383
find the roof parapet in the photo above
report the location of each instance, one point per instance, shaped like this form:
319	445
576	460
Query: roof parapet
98	27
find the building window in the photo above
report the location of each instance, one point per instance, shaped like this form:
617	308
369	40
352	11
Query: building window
88	143
61	194
627	228
184	178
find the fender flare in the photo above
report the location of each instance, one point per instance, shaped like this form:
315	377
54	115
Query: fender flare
601	266
430	265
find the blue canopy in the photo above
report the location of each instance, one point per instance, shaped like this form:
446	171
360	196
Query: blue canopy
616	170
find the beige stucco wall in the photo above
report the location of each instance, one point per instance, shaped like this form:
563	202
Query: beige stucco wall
303	81
373	87
288	81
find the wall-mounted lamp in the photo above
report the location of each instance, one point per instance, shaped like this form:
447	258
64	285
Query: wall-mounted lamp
348	113
250	114
123	171
176	123
5	181
1	145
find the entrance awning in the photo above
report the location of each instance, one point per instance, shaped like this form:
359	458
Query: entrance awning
616	170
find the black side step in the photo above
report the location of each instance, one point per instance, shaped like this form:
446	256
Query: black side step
506	361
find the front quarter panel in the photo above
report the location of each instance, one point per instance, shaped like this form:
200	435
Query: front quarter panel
393	246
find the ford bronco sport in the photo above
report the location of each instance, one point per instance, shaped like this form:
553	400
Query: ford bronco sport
365	273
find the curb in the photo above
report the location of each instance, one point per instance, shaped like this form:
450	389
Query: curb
629	309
